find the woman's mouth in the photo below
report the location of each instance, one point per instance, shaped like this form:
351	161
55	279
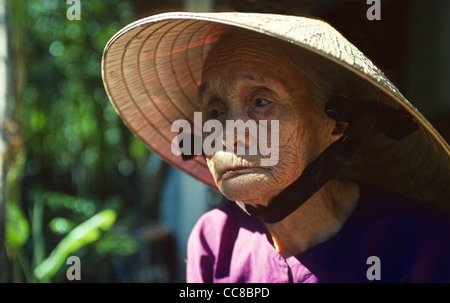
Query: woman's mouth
227	165
232	172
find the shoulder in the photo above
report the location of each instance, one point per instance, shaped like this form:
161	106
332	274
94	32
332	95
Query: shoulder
214	220
212	239
209	231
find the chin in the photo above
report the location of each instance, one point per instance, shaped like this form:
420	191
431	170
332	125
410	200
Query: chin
248	188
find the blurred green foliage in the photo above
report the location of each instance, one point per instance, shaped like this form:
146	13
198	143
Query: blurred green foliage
78	159
72	134
83	234
17	227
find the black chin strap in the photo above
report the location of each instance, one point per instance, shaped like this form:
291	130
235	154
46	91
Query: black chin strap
316	174
365	119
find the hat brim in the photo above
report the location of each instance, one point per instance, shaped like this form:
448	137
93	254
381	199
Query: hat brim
152	70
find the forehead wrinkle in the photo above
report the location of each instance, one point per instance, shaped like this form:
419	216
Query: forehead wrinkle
264	62
246	76
238	69
230	79
243	56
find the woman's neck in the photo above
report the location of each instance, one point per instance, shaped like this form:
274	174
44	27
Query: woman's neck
317	220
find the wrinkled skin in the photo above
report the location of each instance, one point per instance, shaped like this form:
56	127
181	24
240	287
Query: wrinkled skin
248	76
255	80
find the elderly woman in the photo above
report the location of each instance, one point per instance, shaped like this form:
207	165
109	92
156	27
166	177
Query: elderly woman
341	203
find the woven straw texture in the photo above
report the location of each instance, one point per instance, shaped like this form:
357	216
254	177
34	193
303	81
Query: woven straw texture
152	70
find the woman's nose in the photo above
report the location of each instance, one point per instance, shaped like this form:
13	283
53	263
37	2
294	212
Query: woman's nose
239	135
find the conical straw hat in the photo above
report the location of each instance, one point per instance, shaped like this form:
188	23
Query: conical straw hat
152	71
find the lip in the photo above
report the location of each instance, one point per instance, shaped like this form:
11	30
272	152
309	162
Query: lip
228	165
234	171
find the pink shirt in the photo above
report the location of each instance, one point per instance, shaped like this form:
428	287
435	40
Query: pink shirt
412	242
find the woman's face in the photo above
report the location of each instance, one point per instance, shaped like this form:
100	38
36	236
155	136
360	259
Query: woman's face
247	76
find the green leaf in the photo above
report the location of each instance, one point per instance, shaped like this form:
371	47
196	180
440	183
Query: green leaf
85	233
61	225
17	227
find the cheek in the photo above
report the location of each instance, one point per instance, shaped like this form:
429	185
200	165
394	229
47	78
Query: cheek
300	142
292	156
294	139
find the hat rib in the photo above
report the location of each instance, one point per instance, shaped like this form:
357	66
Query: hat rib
167	79
137	118
181	74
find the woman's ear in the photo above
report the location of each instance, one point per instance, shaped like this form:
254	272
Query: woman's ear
339	126
338	130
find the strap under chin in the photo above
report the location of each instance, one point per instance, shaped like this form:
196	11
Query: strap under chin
316	174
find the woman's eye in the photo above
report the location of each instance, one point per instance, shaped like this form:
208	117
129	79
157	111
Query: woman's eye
214	114
261	102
